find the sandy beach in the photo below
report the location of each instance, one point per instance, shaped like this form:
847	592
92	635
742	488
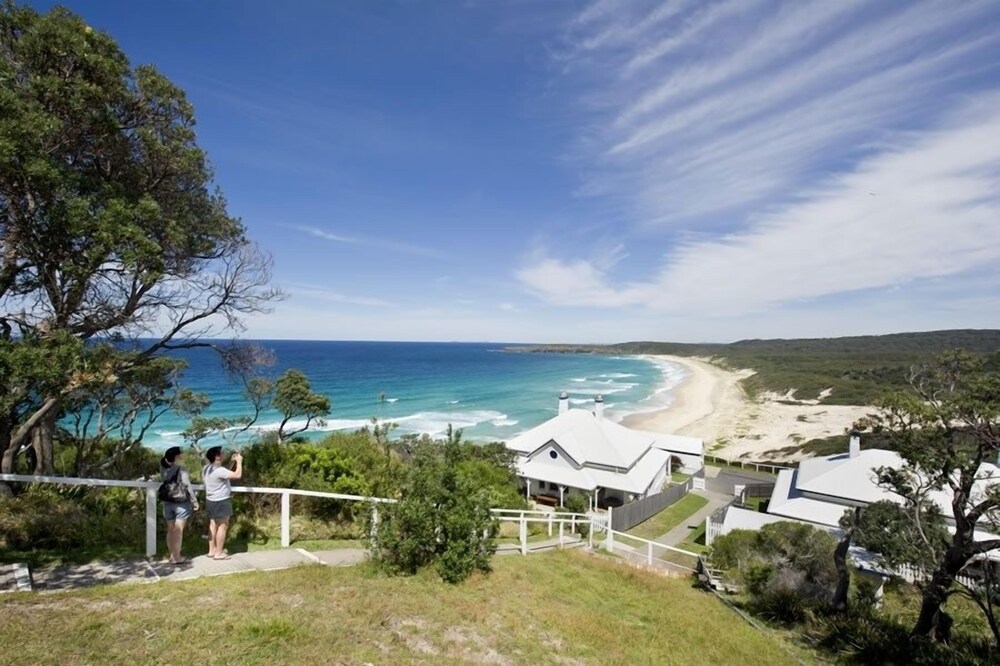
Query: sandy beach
710	404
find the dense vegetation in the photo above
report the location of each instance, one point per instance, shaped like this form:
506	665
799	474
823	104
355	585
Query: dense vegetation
787	576
42	524
858	369
946	430
116	246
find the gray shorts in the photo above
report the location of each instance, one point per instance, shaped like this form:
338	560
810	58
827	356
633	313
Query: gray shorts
176	511
218	510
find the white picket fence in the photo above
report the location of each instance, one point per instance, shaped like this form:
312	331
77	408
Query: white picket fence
652	553
913	574
562	522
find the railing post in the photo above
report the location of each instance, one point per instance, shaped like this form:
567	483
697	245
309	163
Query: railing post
550	524
590	533
649	553
561	533
374	519
150	520
286	510
610	541
523	533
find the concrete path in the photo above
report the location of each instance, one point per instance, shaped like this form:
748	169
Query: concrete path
70	577
77	576
682	531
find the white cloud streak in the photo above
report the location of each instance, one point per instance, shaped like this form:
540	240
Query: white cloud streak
925	209
314	292
806	151
392	246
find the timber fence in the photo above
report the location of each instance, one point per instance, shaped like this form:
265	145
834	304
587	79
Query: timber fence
629	515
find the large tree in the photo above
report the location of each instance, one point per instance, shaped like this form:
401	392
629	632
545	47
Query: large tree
295	399
947	430
115	246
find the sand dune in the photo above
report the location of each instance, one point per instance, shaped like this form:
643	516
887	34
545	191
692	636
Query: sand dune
711	404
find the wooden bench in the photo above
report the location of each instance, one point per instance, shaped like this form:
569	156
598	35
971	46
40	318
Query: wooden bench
547	500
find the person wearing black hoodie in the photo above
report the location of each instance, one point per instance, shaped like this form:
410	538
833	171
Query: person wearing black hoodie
176	513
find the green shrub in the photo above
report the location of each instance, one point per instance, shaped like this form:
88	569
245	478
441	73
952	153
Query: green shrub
442	519
51	518
575	502
868	638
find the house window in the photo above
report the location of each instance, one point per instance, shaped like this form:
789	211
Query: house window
553	454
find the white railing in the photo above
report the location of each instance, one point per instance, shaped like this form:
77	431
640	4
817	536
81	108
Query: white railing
913	575
651	551
552	519
764	468
151	499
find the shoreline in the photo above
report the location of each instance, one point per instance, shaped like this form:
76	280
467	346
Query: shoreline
709	403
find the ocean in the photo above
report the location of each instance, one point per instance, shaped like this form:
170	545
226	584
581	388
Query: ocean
490	393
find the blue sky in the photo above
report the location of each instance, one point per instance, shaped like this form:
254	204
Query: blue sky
599	171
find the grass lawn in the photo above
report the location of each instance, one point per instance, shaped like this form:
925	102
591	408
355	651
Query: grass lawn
669	518
563	607
679	477
695	541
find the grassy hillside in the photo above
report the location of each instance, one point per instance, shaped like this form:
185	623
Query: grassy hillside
561	607
856	368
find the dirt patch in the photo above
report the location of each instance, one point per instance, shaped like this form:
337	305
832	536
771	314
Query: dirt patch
411	632
475	647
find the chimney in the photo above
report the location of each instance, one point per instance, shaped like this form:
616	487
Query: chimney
599	407
854	445
563	403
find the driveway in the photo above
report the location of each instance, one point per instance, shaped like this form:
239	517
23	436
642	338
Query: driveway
722	480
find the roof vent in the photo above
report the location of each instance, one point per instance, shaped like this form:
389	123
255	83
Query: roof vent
563	402
599	407
854	445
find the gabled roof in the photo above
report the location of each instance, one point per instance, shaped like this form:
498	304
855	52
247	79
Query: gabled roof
787	501
636	480
853	481
590	440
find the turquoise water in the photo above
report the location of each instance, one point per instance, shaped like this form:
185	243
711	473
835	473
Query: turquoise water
489	393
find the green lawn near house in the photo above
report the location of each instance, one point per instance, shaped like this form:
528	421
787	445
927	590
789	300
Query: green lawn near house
669	518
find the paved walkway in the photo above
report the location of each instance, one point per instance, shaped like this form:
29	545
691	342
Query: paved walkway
69	577
77	576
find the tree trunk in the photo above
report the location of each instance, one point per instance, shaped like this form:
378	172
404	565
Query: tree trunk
42	437
931	622
840	596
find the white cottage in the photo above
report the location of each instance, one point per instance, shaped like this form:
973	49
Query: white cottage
612	464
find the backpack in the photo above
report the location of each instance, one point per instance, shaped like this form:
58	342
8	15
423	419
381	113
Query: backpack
173	490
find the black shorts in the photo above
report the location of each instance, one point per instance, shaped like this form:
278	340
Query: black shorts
219	510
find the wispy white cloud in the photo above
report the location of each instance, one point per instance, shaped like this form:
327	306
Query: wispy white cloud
786	153
313	292
738	104
390	245
925	208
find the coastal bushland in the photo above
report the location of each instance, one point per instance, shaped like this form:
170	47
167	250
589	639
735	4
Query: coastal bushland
858	369
786	577
944	427
41	524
